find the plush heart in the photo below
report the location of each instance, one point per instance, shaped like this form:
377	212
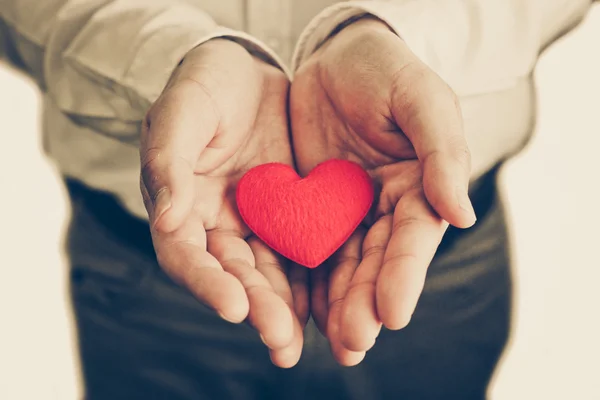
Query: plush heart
305	219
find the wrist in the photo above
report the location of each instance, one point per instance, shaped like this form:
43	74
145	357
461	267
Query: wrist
219	45
235	52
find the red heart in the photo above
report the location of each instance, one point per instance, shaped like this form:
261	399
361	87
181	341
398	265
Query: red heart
305	219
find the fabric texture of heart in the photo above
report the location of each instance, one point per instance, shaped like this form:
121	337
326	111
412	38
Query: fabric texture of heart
305	219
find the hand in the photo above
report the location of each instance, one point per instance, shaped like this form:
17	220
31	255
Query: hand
222	113
365	97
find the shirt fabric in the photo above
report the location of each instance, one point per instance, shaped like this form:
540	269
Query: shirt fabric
101	63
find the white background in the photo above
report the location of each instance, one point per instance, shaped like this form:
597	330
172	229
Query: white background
553	193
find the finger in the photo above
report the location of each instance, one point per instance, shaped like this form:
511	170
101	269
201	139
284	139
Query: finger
183	256
176	130
416	234
298	278
428	112
289	356
319	281
341	354
346	261
359	322
269	314
271	267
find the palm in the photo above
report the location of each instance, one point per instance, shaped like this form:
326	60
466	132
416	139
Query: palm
362	97
215	186
228	237
337	132
238	120
344	124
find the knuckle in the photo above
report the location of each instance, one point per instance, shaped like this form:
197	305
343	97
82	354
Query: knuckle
270	265
345	259
464	156
257	289
459	151
455	151
373	251
240	268
449	97
400	259
335	302
450	94
149	158
145	196
409	72
406	81
151	167
408	221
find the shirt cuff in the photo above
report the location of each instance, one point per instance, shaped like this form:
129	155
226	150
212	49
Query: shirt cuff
122	91
254	46
452	55
332	18
476	47
184	45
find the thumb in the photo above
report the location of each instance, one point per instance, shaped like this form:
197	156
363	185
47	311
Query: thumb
176	130
428	112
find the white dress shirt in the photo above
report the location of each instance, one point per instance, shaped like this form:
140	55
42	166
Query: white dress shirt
101	63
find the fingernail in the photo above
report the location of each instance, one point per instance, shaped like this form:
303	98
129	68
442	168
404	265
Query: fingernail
224	317
162	203
465	203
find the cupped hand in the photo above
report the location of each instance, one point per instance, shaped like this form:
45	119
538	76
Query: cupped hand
364	96
222	113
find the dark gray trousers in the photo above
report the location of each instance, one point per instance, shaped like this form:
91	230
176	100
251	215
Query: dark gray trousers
142	337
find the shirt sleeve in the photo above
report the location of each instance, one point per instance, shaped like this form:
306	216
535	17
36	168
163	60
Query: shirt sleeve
104	62
476	46
485	50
